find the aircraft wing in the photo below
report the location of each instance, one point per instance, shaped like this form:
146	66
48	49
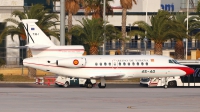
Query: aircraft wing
18	47
113	75
37	46
32	46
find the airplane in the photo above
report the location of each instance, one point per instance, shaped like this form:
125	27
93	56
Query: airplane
69	61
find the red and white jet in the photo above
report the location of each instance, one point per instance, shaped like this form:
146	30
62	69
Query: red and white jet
69	61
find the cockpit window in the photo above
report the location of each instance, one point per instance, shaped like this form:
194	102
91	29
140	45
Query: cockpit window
173	61
170	61
176	62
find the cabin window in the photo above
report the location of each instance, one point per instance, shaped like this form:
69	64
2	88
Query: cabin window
96	64
142	63
109	64
119	63
133	63
137	63
146	63
100	64
124	64
129	64
105	63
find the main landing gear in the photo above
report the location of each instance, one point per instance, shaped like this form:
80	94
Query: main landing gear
165	86
88	83
102	83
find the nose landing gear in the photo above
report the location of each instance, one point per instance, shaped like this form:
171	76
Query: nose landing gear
102	83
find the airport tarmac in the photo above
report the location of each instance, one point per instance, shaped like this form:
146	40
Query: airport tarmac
115	98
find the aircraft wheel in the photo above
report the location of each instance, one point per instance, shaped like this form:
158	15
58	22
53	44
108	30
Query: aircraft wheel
165	86
99	85
172	84
89	85
66	84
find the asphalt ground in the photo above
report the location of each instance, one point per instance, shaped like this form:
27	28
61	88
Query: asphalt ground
29	97
33	85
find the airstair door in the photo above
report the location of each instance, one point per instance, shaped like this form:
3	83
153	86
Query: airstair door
114	64
153	82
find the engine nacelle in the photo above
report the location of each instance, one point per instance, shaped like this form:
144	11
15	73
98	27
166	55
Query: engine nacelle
72	62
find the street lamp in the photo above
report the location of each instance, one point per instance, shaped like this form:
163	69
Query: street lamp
104	19
130	26
186	41
145	45
145	39
62	22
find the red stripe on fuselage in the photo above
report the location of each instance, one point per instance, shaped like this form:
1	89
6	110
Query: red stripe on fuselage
144	67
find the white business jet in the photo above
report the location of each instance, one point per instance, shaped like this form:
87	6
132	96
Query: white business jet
69	61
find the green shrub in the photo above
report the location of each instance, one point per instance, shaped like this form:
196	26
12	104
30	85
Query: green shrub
2	62
1	77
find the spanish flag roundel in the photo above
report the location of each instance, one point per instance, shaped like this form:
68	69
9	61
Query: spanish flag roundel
75	62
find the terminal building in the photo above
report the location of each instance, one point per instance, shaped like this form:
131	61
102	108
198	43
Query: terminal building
137	13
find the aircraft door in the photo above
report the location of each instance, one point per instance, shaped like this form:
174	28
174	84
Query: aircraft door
114	64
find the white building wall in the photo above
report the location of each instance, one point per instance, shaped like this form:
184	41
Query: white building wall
11	2
116	19
6	8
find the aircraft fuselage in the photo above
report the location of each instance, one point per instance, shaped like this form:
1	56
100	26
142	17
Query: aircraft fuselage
126	66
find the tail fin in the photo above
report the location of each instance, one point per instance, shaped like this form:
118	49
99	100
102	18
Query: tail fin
34	34
41	45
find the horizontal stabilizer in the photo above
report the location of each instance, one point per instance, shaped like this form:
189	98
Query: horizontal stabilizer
37	46
113	75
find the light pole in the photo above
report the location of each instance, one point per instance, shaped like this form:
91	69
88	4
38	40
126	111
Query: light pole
146	10
145	45
104	20
145	39
186	41
130	26
62	22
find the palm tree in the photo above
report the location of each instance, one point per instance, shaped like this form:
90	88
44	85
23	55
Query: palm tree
72	7
95	7
180	18
45	21
91	32
161	29
126	4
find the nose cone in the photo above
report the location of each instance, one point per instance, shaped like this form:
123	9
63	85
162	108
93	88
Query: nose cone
189	71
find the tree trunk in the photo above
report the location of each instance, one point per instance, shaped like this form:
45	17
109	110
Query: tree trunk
123	29
93	50
179	50
69	28
158	48
31	71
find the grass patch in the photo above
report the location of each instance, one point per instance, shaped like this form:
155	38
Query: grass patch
18	78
